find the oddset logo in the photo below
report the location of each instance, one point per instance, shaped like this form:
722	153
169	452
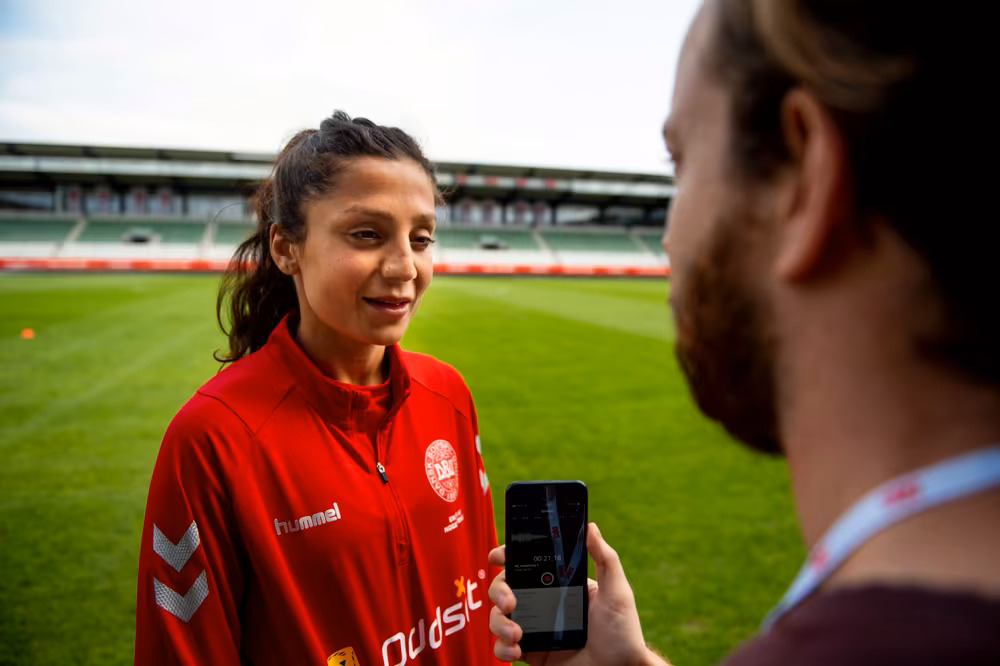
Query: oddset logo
401	647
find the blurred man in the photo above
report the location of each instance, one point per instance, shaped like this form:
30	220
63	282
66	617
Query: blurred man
833	294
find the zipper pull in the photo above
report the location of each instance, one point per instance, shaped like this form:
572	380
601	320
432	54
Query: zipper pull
381	472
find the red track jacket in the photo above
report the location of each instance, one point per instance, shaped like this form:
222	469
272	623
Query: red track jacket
287	525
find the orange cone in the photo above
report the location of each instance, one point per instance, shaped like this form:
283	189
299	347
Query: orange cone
28	333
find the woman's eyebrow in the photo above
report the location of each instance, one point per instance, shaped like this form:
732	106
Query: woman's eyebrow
358	209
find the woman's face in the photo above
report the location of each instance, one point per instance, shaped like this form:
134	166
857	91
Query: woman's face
366	258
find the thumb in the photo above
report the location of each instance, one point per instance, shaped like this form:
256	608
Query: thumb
610	574
498	556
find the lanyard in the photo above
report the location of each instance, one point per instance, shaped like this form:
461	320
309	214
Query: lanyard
887	504
564	569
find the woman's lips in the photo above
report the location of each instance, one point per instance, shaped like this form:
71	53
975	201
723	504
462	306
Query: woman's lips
389	305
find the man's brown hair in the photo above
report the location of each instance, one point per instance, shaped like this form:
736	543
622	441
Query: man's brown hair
907	83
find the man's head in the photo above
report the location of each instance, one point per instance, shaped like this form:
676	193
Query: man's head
802	131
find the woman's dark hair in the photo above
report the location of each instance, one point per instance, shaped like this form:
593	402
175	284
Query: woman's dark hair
907	83
254	293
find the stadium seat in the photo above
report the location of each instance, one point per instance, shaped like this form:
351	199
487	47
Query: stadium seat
142	230
652	240
232	233
591	241
471	238
34	230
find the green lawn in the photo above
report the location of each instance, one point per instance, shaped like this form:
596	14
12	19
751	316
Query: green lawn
572	379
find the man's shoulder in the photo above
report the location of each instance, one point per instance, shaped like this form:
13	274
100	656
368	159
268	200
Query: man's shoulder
881	625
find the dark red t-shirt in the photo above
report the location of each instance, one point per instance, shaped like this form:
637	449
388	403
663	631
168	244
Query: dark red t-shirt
881	626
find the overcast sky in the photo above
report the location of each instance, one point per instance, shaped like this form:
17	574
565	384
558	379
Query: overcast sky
575	83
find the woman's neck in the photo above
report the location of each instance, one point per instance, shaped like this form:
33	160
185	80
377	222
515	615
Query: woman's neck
343	359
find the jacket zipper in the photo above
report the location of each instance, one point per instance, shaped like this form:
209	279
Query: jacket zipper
399	530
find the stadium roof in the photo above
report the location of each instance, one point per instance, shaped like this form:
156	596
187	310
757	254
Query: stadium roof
26	163
119	152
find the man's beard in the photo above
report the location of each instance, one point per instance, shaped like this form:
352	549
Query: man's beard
724	344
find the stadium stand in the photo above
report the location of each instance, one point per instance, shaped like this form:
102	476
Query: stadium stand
611	246
146	238
33	235
652	240
232	233
27	228
596	240
489	238
100	230
39	230
95	206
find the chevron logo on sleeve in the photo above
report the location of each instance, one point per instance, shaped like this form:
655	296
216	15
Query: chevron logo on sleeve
181	607
176	554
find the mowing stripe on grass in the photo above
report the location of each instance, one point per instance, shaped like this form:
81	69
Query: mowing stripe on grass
76	362
117	377
563	298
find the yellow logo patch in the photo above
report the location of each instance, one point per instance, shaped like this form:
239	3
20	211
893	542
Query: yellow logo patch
345	657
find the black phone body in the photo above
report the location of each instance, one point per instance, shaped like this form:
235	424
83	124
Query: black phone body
546	562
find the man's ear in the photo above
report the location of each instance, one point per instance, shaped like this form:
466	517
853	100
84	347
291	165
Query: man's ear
818	211
283	251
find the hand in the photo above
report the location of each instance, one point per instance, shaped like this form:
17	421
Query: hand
614	636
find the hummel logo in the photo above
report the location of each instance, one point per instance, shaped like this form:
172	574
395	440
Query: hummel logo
176	555
181	607
306	522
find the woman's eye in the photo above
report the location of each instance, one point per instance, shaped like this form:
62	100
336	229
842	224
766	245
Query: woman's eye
423	242
364	235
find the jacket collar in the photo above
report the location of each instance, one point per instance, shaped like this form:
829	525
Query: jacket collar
335	401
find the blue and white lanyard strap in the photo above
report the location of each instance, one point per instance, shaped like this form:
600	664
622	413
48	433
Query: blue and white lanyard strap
565	569
886	505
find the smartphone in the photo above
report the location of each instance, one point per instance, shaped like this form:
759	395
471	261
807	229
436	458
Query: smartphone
546	550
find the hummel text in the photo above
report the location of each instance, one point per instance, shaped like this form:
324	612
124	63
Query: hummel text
306	522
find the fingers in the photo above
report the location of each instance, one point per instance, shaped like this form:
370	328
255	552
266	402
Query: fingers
610	574
507	631
498	556
501	594
508	634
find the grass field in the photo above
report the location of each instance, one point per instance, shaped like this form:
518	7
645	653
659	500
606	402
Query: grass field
572	379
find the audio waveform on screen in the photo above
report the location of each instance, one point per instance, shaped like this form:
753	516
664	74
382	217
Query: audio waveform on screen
525	537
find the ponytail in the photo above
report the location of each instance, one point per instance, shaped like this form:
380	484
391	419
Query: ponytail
254	293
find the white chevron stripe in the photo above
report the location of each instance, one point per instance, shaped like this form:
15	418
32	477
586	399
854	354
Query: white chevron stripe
177	554
181	607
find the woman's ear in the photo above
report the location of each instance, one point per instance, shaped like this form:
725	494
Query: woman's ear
283	251
821	196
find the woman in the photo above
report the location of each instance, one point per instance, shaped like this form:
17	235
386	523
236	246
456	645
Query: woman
322	499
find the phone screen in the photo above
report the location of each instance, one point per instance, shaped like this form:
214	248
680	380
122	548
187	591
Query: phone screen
546	551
